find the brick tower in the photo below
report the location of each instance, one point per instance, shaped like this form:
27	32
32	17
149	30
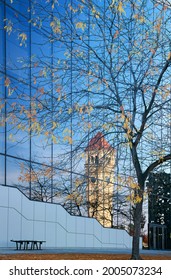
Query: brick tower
99	168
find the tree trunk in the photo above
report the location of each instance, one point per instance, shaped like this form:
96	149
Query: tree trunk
137	231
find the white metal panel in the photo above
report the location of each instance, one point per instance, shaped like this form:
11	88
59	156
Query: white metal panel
27	229
27	208
119	239
105	235
62	216
71	224
80	240
97	229
39	211
113	237
115	233
80	225
97	242
4	226
61	237
50	234
89	242
4	192
15	199
50	212
39	229
127	239
71	239
89	225
14	224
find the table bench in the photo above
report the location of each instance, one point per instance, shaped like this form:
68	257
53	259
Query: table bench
24	244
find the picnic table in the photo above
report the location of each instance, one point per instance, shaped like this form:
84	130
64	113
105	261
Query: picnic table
28	244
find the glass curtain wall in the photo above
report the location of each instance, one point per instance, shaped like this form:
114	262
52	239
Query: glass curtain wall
74	78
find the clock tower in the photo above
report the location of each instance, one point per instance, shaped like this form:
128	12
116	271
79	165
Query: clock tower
99	168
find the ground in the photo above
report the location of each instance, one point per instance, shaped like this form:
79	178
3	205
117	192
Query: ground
75	256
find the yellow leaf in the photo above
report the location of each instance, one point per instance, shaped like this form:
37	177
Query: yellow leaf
11	137
158	26
126	124
116	34
81	110
69	111
54	139
120	8
23	38
40	106
89	125
9	26
68	139
54	125
81	25
41	90
56	25
140	18
7	82
130	144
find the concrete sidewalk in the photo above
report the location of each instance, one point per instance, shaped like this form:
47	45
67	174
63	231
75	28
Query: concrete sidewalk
8	251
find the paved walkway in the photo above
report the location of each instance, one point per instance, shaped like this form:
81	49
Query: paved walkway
7	251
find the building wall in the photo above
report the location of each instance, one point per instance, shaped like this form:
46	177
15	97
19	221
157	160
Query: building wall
159	185
25	219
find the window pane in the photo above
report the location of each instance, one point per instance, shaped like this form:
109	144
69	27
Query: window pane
2	115
2	46
61	186
2	169
17	46
20	6
18	143
18	117
15	169
41	60
41	182
41	149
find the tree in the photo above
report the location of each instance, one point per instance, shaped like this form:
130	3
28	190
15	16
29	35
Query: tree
40	179
111	72
72	199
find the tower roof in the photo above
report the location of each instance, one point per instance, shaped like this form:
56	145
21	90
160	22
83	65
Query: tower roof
98	142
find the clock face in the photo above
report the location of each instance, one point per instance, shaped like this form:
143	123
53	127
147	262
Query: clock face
93	180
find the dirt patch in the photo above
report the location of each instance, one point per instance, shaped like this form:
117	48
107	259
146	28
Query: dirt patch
79	257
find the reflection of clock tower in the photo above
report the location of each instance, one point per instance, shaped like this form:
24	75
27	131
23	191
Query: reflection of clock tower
99	169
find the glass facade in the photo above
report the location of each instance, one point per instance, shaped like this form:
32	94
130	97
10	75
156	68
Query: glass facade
25	51
70	71
35	133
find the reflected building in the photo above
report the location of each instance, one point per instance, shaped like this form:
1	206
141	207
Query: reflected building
99	168
159	211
